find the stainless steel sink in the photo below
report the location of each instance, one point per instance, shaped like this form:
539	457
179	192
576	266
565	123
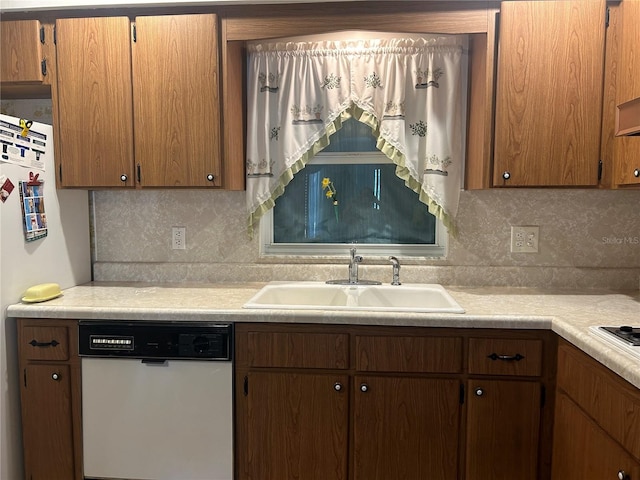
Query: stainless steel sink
323	296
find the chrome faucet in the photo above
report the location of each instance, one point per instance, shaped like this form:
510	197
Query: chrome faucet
353	279
353	266
396	270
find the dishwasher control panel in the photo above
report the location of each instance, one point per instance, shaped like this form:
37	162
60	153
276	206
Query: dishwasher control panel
159	340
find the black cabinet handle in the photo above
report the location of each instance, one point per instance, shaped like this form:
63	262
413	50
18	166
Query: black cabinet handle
506	358
52	343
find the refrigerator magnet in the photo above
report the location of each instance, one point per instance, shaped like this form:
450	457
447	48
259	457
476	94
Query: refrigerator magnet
6	187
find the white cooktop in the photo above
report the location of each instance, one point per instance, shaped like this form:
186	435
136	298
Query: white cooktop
615	342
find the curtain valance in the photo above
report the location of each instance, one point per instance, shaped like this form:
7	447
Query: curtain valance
408	90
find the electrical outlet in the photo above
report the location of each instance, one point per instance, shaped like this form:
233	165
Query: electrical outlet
524	239
178	238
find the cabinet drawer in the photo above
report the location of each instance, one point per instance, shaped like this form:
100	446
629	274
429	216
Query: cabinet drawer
45	343
298	350
610	400
505	356
377	353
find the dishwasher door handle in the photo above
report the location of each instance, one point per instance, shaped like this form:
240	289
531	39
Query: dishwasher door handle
155	361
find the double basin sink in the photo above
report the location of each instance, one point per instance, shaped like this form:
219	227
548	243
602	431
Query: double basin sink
419	298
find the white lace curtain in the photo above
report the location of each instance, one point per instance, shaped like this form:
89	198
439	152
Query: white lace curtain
408	90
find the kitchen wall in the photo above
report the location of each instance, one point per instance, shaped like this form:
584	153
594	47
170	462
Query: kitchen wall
588	239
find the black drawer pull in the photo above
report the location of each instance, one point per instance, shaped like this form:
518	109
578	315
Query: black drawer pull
52	343
507	358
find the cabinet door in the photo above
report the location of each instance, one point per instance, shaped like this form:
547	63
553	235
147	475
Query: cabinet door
21	52
295	426
583	450
47	422
405	428
549	93
503	424
176	98
626	149
94	102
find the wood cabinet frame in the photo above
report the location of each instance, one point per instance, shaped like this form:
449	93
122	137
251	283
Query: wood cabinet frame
239	24
478	19
63	363
404	357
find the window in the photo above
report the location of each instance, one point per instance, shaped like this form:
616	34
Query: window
374	210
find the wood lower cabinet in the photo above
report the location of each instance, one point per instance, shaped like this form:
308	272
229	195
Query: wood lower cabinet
297	426
405	427
503	429
50	399
584	450
597	421
505	408
386	403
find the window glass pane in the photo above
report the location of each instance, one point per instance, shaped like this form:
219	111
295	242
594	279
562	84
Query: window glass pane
354	136
374	207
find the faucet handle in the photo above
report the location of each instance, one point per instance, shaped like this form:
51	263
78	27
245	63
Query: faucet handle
396	270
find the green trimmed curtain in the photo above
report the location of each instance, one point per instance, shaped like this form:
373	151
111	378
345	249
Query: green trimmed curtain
408	90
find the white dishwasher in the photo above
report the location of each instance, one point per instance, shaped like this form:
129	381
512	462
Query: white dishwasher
157	400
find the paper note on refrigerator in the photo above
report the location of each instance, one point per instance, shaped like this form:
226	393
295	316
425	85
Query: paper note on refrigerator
29	150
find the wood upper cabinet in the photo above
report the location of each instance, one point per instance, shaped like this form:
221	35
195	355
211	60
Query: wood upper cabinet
176	100
21	52
549	93
50	399
94	102
154	93
626	148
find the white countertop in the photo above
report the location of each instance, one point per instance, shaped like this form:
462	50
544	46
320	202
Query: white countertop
569	314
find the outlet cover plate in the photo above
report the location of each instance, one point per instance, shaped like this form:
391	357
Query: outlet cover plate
524	239
178	238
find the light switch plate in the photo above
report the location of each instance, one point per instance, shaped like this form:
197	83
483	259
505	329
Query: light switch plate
524	239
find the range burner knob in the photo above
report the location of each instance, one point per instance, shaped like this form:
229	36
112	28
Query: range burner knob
626	329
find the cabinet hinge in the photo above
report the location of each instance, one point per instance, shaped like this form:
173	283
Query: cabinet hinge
42	35
139	173
462	394
245	386
60	173
43	67
543	396
55	37
25	377
606	18
600	165
134	33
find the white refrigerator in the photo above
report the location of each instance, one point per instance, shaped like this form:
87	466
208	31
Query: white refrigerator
63	256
